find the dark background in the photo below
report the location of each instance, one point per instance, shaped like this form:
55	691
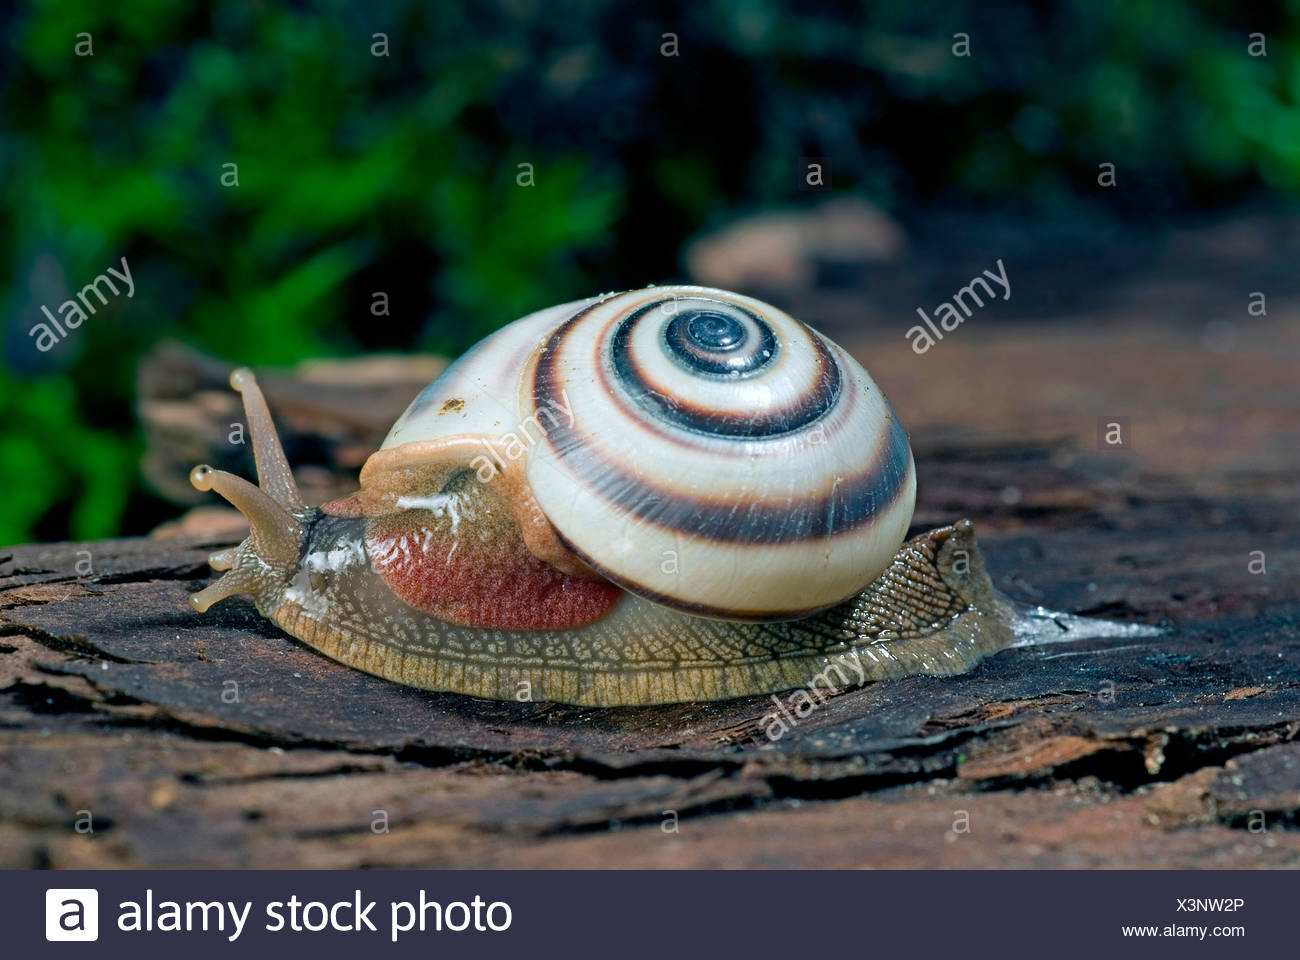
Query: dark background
399	173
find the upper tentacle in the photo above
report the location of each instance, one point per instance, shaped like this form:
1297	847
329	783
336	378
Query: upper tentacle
273	473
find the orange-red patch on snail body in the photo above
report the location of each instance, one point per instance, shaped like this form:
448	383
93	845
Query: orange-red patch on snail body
481	581
344	507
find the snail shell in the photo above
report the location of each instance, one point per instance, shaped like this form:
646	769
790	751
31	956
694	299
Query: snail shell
668	494
696	447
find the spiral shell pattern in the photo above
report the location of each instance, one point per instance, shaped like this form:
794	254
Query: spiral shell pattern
715	454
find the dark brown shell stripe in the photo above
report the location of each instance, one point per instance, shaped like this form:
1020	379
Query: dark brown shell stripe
832	418
638	387
850	503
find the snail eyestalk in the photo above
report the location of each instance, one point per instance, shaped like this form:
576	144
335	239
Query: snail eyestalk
276	534
273	473
273	509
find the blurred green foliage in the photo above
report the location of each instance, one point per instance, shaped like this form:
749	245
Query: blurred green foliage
399	173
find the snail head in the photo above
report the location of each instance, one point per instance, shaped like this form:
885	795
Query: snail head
277	517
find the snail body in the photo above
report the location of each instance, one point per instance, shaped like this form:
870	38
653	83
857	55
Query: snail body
669	494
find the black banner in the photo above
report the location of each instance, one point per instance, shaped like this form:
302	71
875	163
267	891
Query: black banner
643	914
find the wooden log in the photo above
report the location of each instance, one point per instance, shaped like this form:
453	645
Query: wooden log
217	739
183	739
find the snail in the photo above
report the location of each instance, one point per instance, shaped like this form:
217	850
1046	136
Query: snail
669	494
